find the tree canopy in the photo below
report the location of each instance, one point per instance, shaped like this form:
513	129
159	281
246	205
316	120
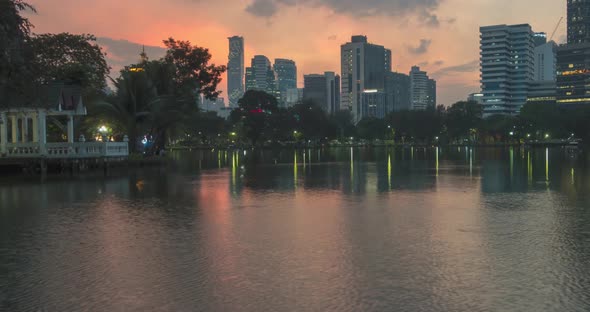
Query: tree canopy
69	57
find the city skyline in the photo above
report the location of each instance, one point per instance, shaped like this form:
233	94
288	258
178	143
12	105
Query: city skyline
441	38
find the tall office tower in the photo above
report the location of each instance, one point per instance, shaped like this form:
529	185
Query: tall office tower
250	79
363	67
431	93
419	90
546	61
373	103
315	88
286	74
324	90
578	21
540	38
573	72
294	96
260	76
235	70
333	92
397	91
507	67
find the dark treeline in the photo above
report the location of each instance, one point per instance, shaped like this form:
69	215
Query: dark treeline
259	120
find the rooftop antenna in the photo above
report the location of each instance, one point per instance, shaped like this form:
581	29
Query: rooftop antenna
556	27
144	57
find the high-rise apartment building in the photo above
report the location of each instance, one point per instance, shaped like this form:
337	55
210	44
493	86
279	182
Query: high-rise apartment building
286	76
235	70
363	67
578	21
419	89
507	67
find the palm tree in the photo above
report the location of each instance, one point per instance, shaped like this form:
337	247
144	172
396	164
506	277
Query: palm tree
131	106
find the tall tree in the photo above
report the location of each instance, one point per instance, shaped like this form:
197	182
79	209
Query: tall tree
311	120
254	114
15	31
462	117
193	73
68	57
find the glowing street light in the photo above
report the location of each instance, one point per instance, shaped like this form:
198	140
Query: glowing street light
547	135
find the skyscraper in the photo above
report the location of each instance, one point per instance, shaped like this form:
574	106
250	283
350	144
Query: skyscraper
286	75
363	67
573	72
235	70
540	38
573	59
507	67
260	76
578	21
315	89
333	92
431	93
324	90
545	61
397	90
419	89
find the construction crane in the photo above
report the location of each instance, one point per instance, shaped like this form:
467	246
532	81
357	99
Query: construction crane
556	27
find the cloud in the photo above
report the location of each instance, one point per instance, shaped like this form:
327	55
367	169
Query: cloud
425	9
439	63
262	8
332	37
121	53
461	68
421	48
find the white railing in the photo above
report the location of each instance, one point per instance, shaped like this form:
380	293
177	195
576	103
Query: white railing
67	150
22	150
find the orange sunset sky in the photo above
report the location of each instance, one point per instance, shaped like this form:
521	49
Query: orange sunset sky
442	36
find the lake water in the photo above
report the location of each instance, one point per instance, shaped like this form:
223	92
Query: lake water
448	229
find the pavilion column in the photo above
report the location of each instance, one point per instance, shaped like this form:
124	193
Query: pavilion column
3	134
71	129
25	129
14	123
41	120
35	122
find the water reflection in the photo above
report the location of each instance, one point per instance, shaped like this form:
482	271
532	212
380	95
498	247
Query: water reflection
435	229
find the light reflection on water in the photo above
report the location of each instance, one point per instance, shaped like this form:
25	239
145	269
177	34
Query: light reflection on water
310	230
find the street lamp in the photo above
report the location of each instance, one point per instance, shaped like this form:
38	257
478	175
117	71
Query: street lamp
103	130
547	135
